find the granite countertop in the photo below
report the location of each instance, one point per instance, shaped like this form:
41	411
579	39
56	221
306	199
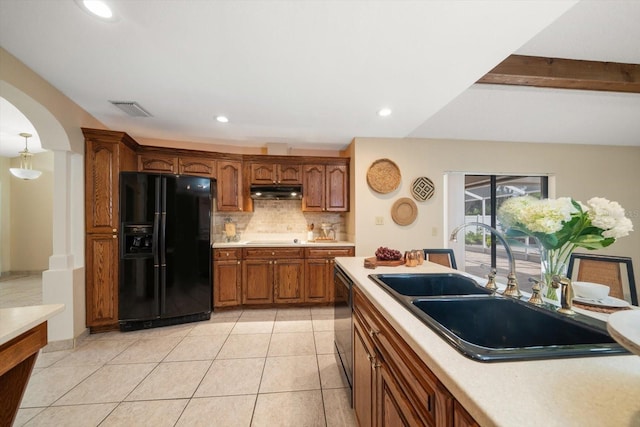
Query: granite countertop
589	391
17	320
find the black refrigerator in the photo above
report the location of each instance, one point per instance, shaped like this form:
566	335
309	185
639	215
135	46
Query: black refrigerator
165	252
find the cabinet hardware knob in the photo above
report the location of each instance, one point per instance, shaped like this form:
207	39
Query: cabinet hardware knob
326	261
115	230
270	262
273	253
275	262
227	253
115	236
373	332
238	262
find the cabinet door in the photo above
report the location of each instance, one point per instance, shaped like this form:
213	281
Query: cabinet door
319	281
257	281
197	166
364	369
288	280
289	174
227	281
263	173
461	417
229	194
101	187
313	188
393	409
161	163
336	188
102	279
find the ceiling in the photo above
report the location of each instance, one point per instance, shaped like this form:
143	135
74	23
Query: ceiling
313	74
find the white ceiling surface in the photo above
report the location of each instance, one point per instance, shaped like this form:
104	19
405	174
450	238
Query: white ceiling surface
313	73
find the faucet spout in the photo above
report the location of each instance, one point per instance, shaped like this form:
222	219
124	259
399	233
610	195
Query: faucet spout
512	289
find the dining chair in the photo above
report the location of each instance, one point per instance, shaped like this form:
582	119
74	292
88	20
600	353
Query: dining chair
613	271
444	257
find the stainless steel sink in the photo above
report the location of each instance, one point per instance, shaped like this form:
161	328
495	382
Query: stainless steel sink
494	328
429	284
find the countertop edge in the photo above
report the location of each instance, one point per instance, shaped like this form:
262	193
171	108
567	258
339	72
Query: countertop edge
218	245
15	321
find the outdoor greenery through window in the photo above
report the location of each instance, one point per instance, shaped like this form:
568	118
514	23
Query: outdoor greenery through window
484	194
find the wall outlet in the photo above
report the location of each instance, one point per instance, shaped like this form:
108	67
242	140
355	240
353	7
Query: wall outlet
379	220
434	231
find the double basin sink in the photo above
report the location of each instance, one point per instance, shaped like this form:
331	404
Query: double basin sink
491	328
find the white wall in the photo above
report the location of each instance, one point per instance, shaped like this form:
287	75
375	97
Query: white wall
580	171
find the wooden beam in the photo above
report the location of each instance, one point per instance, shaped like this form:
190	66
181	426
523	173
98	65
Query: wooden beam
520	70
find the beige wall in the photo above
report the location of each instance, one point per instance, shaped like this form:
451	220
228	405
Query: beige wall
31	221
5	215
581	171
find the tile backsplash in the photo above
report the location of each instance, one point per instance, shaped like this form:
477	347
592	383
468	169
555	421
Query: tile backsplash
277	217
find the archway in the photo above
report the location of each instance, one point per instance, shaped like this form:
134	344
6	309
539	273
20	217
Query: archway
63	281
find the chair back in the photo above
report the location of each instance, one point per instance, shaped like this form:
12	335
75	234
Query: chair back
444	257
615	272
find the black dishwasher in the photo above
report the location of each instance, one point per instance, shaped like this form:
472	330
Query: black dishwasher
343	322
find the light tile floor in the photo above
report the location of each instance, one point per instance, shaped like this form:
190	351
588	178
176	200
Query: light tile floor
266	367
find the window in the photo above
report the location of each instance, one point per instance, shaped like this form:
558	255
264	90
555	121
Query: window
483	195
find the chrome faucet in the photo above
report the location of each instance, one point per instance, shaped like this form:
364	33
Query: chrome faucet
512	289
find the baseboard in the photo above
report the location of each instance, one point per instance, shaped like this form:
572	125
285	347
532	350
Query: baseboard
69	344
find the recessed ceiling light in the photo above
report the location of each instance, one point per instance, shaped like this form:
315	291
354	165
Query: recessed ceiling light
222	119
97	8
384	112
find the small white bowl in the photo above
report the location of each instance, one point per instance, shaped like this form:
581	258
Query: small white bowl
590	290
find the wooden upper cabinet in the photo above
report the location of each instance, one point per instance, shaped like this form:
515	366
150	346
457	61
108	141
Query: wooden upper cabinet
104	159
229	193
197	166
337	188
325	188
160	163
313	188
275	173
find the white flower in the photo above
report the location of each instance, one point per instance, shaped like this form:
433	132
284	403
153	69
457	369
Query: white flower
609	216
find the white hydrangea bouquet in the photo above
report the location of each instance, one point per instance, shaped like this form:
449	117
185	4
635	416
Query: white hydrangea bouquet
561	226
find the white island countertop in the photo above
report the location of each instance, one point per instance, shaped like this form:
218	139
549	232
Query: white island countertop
588	391
15	321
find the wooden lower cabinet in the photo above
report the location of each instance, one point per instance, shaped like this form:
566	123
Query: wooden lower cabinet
277	275
102	276
461	417
272	275
319	266
392	386
364	376
227	277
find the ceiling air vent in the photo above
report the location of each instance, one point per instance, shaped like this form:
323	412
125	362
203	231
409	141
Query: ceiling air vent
131	108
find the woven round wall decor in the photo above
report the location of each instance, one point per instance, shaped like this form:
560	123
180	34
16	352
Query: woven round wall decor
422	188
404	211
383	176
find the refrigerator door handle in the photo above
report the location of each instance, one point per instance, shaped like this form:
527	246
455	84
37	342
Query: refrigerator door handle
163	246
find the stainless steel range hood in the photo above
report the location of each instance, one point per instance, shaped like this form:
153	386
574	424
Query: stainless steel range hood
276	192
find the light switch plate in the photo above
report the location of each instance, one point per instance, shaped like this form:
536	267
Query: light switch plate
379	220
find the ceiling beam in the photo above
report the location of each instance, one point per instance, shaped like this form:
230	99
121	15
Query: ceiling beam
520	70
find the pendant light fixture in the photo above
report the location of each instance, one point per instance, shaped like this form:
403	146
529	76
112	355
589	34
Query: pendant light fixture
25	171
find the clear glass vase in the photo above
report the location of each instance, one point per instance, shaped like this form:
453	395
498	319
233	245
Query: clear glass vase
553	262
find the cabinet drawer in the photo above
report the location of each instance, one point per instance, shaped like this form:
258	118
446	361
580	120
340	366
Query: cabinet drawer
329	252
224	254
270	253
